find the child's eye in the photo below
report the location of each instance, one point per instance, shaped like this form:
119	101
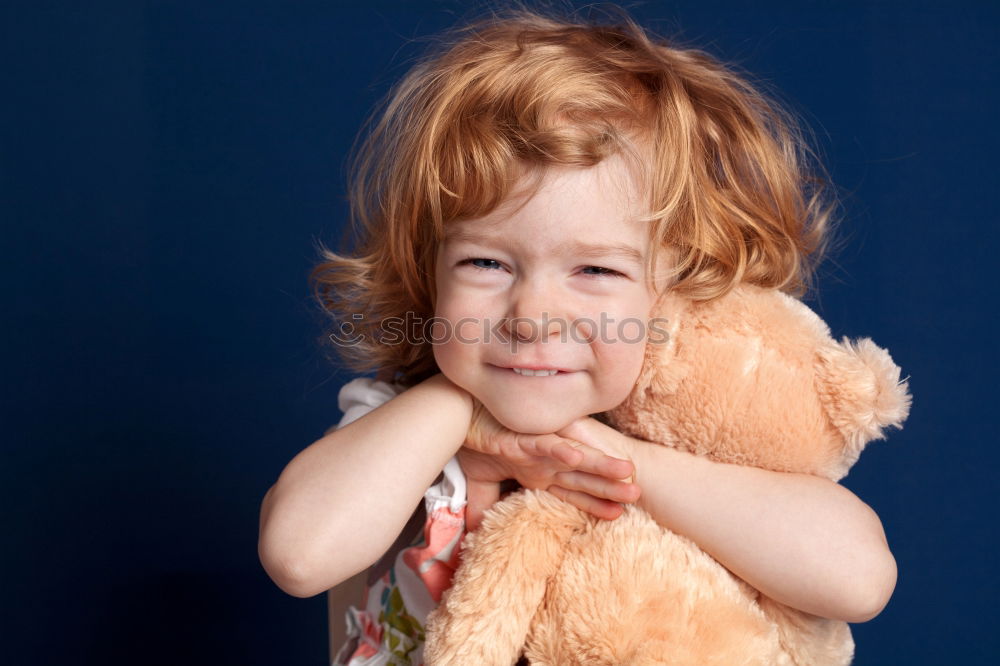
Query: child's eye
600	270
485	264
481	263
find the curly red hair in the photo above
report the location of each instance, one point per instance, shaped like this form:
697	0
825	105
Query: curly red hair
733	188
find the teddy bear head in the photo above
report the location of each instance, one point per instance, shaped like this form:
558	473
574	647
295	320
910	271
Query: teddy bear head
753	377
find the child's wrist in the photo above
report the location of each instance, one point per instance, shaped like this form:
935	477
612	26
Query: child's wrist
634	453
441	383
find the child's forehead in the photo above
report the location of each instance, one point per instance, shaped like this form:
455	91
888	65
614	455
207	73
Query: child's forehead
615	174
607	243
611	222
612	181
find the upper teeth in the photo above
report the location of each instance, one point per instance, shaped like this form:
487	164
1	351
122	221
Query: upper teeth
534	373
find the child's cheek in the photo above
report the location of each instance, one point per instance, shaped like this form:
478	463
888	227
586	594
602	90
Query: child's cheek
621	365
444	356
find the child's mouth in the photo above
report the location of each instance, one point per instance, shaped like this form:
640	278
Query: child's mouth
528	372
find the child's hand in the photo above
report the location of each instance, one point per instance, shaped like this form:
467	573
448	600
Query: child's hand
583	475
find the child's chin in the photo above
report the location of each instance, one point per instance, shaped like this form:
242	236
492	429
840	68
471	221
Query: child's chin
536	423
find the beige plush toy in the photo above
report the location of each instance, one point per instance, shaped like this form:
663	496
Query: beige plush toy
752	377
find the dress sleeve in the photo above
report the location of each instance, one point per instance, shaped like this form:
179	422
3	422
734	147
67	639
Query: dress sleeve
360	396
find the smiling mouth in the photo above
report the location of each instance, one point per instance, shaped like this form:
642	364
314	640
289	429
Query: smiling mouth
528	372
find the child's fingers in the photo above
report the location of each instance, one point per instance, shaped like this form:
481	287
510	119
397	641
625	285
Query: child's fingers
599	463
595	506
598	487
553	446
582	457
616	468
567	454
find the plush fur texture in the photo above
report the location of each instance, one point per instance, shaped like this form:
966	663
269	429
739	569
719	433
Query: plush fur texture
751	378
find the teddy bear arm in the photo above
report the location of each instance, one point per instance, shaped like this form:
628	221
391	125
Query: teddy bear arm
484	617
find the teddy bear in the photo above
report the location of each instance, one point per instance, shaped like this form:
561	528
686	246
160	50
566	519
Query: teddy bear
752	377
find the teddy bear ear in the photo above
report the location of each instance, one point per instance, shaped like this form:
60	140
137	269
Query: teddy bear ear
862	393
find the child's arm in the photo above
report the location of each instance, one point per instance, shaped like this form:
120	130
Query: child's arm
342	501
801	540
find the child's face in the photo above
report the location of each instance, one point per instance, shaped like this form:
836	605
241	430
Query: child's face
558	284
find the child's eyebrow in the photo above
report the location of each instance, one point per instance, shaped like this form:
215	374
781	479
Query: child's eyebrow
580	248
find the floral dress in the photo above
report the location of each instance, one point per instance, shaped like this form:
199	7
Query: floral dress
406	584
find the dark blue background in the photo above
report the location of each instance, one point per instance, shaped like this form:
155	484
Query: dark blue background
166	168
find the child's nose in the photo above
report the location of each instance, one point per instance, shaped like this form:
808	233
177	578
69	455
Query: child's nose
535	329
535	313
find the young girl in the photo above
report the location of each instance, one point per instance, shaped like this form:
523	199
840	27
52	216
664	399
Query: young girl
527	192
